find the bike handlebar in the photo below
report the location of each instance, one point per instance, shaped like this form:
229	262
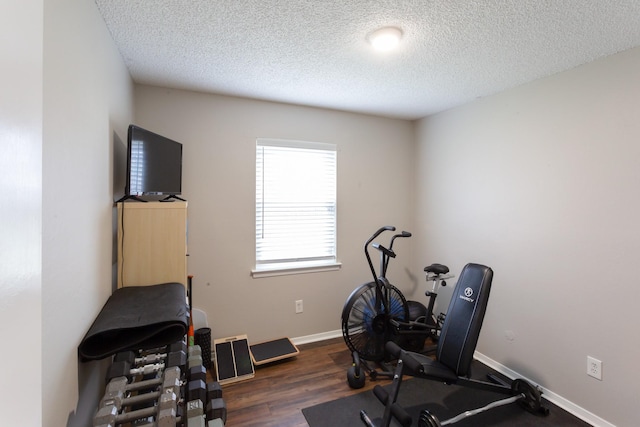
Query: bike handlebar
368	242
386	253
379	232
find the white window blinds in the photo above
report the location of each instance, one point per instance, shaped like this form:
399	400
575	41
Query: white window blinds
295	203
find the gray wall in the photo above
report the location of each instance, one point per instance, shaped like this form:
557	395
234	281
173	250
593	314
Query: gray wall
541	183
375	188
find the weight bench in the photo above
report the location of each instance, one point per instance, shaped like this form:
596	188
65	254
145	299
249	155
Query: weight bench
454	355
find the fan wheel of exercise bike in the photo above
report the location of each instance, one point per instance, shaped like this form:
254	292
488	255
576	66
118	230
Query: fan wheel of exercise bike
367	328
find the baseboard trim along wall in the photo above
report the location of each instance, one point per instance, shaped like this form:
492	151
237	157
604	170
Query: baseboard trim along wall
307	339
552	397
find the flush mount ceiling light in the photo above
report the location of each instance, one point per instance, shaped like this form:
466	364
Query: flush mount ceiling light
385	39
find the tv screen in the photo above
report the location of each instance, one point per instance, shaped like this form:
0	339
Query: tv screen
154	164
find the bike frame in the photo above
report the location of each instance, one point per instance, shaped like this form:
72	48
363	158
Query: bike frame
382	288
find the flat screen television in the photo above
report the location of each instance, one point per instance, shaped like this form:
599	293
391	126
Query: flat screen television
154	165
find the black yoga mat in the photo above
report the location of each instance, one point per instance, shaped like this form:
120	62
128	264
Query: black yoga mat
137	317
444	401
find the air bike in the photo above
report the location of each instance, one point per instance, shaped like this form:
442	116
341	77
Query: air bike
377	312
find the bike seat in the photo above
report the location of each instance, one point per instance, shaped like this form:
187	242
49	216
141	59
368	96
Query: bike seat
436	269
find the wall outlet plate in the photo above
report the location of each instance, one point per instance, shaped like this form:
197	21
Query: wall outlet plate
594	368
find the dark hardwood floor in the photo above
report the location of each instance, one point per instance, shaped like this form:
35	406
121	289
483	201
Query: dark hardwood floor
279	391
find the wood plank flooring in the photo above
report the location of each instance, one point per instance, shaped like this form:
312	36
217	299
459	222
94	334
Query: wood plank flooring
279	391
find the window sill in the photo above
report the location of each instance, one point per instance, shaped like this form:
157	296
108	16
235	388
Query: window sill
283	269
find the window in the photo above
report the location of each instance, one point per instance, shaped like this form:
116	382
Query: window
295	207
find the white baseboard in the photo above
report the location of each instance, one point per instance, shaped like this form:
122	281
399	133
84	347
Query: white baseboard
307	339
552	397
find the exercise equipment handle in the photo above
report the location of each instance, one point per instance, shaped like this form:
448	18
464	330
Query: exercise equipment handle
379	232
395	350
366	248
397	411
387	252
402	234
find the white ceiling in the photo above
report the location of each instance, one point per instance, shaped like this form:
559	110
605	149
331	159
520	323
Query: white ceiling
314	52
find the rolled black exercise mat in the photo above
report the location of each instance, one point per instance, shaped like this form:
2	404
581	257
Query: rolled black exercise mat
137	317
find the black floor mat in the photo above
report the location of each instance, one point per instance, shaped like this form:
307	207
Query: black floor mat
444	401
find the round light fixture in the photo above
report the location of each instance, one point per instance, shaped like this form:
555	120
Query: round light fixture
385	39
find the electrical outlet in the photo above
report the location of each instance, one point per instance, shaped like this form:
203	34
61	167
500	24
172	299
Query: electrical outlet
299	306
594	368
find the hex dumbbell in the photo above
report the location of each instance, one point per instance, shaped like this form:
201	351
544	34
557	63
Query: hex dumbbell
217	408
197	394
214	390
117	397
198	372
118	389
215	423
195	413
125	364
197	418
194	356
196	390
165	413
173	352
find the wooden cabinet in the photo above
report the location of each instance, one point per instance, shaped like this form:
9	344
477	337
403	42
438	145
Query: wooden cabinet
152	243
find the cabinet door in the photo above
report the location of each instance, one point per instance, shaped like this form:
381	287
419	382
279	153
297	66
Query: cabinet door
152	243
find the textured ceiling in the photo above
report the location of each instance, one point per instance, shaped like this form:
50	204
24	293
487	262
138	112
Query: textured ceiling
314	52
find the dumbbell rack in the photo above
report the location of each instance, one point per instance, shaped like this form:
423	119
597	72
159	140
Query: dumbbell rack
164	387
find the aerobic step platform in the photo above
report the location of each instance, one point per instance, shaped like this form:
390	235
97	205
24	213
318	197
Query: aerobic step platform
233	360
272	351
